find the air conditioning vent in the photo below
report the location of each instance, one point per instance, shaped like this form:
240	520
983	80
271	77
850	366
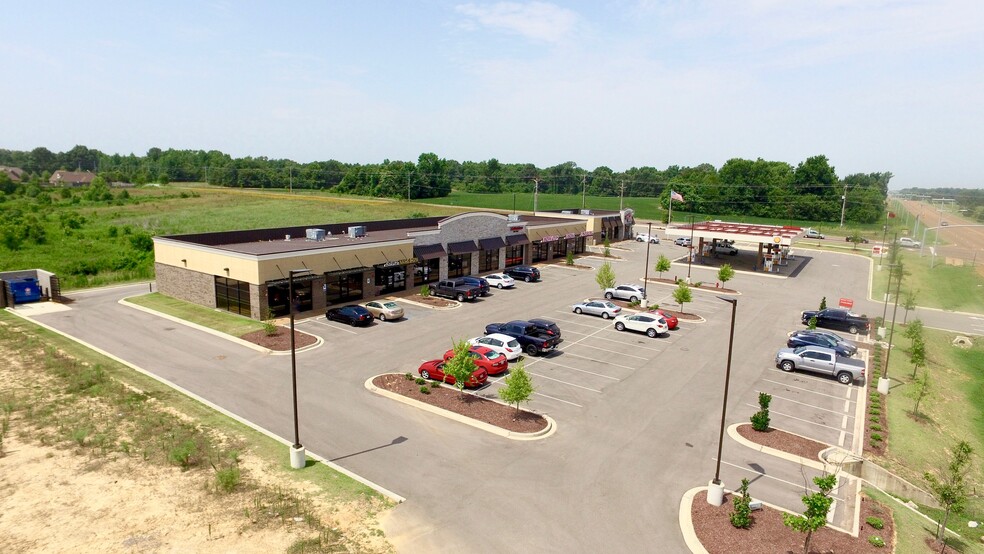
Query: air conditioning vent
315	234
356	231
512	217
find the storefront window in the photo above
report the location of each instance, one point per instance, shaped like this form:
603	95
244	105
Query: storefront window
232	295
488	260
427	271
514	255
343	287
392	278
580	245
540	251
277	297
459	265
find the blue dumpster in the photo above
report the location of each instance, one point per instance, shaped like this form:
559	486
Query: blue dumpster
25	290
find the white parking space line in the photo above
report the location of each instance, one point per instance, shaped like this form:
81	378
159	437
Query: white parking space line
801	419
622	342
566	353
787	385
808	377
557	399
566	322
496	382
329	325
612	351
566	383
767	476
616	379
811	405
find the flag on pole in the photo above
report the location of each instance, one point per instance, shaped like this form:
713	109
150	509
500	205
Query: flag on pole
674	195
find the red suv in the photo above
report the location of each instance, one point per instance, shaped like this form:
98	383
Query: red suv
491	361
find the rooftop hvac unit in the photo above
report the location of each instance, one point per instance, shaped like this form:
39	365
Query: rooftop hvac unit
512	217
568	212
585	212
357	231
315	234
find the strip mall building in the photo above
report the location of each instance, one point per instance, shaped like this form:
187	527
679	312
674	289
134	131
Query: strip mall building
246	272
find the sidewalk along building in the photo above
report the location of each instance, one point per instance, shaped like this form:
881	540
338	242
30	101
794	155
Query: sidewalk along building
246	272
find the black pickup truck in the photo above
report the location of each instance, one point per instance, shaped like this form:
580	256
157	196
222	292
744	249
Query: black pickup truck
450	289
534	340
841	320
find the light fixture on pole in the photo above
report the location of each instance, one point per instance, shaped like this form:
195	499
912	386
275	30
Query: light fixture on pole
715	490
298	457
645	279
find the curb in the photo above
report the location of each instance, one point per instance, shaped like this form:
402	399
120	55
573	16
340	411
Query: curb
815	464
422	305
546	432
687	522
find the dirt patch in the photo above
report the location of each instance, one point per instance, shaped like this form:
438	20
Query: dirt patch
786	442
768	534
468	405
281	340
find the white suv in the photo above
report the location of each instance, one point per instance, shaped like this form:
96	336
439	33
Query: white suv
632	293
644	237
906	241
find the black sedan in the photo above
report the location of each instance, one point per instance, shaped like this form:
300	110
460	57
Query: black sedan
353	315
805	338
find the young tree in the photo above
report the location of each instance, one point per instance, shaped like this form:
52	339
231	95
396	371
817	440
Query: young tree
949	488
519	387
608	250
812	323
823	303
570	258
909	303
726	273
921	388
917	355
605	277
741	517
913	330
682	294
461	366
817	506
760	419
662	264
856	238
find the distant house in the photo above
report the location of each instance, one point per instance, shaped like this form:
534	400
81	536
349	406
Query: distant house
72	178
16	174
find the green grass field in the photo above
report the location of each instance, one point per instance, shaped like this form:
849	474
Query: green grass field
222	321
944	287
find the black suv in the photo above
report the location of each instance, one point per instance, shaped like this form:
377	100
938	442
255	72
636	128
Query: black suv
839	320
524	272
482	284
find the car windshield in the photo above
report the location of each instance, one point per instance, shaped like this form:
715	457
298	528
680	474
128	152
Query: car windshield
610	305
492	355
391	305
513	344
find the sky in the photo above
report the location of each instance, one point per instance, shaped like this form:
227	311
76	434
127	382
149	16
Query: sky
874	85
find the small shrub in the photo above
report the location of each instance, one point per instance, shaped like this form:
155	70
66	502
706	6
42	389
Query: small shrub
269	328
408	376
876	437
741	517
420	380
874	411
227	479
875	522
425	390
570	258
875	419
876	541
79	435
875	427
698	284
183	454
425	290
760	421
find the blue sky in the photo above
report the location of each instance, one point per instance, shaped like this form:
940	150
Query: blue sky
876	85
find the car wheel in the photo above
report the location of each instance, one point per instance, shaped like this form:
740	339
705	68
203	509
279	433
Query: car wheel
577	310
499	286
527	278
633	299
734	253
604	315
786	365
638	239
531	349
433	292
425	374
460	297
609	295
619	326
382	317
845	378
853	329
651	333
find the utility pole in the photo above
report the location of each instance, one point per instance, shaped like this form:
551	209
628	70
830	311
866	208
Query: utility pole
536	191
843	204
409	174
621	192
290	179
584	186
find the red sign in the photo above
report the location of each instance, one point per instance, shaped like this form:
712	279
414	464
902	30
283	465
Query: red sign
846	303
891	214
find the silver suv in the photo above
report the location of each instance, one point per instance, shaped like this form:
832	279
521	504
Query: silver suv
632	293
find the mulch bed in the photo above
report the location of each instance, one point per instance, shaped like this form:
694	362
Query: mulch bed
694	285
280	341
781	440
767	533
434	301
468	405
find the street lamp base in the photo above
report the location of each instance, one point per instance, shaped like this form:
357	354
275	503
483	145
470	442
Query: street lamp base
298	457
883	385
715	493
644	303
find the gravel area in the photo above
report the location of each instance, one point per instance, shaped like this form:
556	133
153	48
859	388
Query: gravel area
469	405
781	440
768	534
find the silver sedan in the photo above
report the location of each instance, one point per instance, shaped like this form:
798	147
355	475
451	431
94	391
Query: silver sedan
603	308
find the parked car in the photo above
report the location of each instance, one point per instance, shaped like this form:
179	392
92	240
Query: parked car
671	320
861	240
841	320
820	360
850	345
451	289
491	361
352	315
503	344
384	310
806	338
549	326
813	234
682	241
725	249
909	243
533	339
524	273
944	224
603	308
650	324
434	369
645	237
482	284
500	280
632	293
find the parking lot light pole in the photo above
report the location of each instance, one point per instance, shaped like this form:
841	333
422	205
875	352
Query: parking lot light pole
298	456
645	279
883	381
715	490
690	251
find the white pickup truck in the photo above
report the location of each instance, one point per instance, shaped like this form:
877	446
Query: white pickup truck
820	359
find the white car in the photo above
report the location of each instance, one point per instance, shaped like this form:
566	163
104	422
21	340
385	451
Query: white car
652	325
603	308
500	280
682	241
725	249
906	241
632	293
503	344
644	237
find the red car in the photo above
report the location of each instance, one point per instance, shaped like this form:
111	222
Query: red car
671	320
491	361
434	369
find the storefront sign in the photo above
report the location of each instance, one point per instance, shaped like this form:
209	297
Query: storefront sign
297	279
570	236
395	263
549	238
587	233
346	271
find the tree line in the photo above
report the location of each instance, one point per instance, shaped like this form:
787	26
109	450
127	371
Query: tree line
810	190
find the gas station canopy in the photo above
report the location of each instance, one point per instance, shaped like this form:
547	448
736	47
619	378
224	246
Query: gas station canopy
745	232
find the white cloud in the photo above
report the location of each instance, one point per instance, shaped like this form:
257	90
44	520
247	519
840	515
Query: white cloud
539	21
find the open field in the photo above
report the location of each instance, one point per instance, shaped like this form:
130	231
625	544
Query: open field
945	287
